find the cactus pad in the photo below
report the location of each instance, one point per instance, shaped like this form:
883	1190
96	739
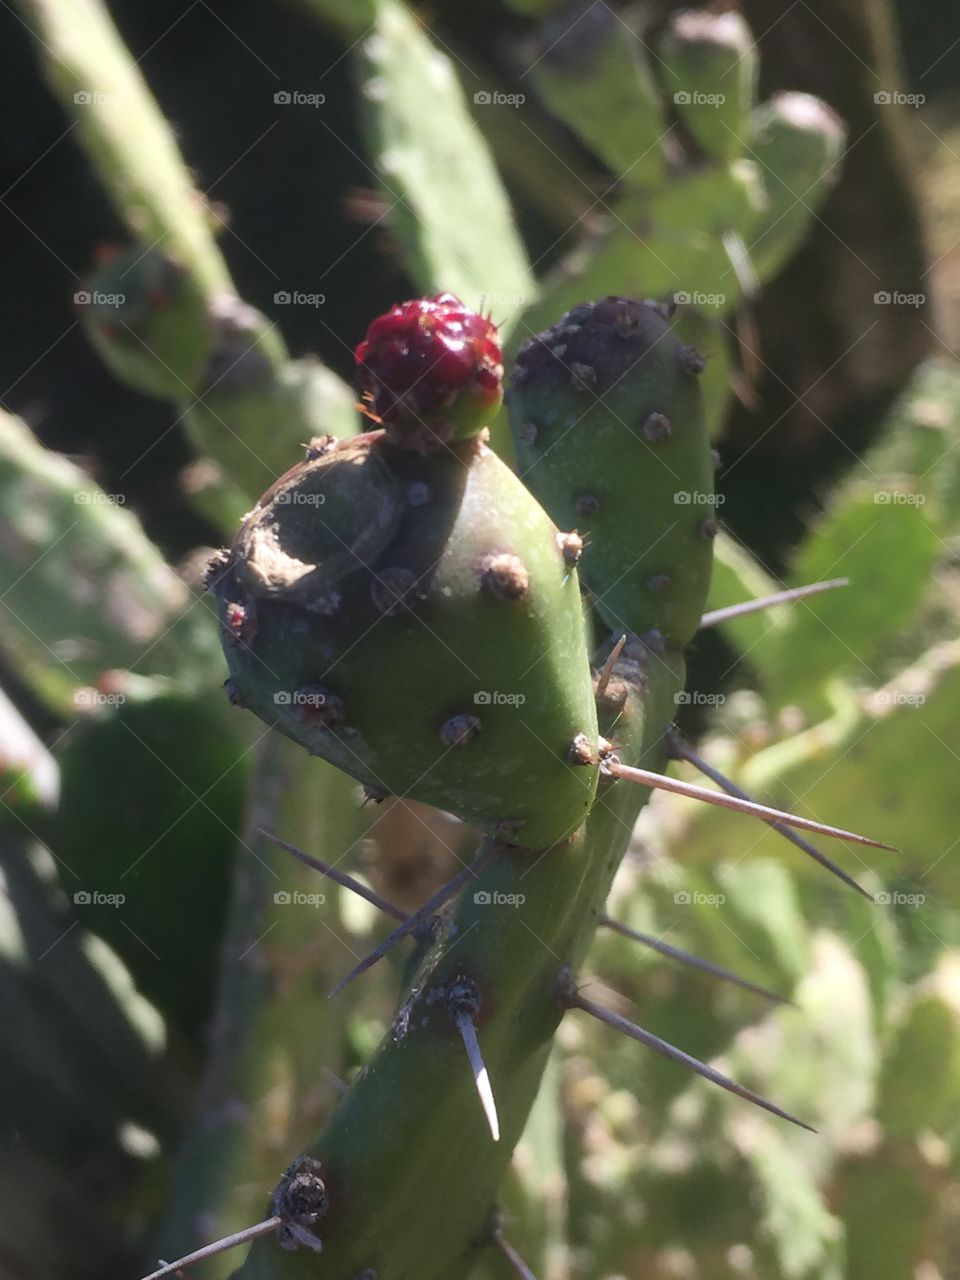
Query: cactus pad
609	422
413	620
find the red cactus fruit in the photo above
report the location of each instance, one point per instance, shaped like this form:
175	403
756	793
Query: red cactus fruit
431	368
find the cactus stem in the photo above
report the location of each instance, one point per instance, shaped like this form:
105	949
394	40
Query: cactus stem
727	614
420	918
694	962
464	1023
338	877
646	778
218	1246
603	679
681	750
572	999
511	1255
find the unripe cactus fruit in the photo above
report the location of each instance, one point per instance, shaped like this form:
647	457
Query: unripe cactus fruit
431	369
404	608
609	423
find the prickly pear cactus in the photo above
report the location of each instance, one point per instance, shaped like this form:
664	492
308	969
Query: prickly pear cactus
402	605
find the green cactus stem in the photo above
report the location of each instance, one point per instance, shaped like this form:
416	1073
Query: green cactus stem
264	1085
397	1143
163	313
609	425
91	72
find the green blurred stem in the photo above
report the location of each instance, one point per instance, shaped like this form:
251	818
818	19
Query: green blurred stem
91	72
275	1031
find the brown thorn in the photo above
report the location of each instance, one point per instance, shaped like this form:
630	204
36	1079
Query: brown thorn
338	877
421	916
661	782
731	611
219	1246
572	999
681	750
694	962
607	669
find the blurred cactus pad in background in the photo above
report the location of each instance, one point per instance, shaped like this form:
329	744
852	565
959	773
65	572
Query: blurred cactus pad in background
445	452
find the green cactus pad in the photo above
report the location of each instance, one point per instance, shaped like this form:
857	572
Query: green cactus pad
797	142
413	620
609	422
592	73
710	69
